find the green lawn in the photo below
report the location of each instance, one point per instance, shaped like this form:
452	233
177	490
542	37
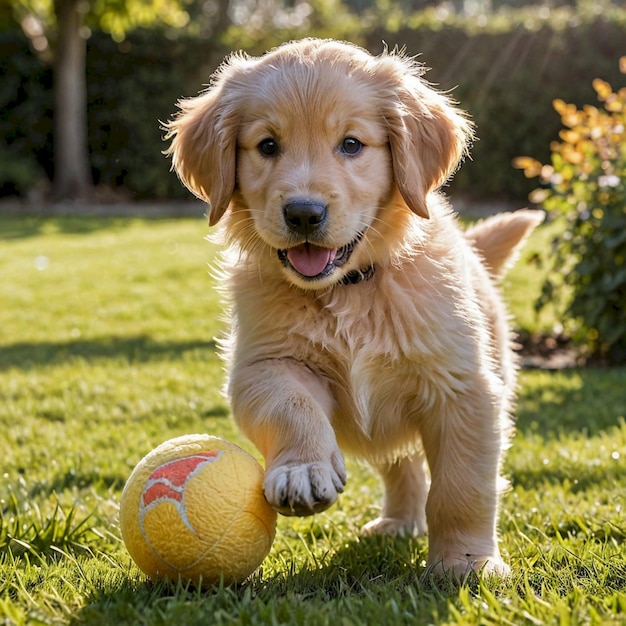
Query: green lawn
107	349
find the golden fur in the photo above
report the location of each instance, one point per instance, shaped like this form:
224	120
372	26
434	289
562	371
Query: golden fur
322	163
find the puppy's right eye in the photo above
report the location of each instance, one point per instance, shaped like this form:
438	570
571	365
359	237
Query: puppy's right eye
351	146
268	147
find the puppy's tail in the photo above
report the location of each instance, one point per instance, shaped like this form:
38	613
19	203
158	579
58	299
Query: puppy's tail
498	239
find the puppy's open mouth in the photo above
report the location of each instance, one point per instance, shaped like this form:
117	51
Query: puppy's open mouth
314	262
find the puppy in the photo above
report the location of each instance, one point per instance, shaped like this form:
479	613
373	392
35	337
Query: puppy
363	319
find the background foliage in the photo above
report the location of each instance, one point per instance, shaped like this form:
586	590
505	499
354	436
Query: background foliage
505	69
585	184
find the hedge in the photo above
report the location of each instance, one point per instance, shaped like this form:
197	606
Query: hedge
506	78
25	116
507	81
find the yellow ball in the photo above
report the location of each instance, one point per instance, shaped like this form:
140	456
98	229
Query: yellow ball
194	508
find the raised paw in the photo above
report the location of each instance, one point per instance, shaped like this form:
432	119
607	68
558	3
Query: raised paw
304	488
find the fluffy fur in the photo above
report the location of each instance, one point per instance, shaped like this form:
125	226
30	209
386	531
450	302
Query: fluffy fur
363	319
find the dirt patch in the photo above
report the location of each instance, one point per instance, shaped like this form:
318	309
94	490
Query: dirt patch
548	352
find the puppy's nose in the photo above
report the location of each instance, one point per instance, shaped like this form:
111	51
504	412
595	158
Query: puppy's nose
304	216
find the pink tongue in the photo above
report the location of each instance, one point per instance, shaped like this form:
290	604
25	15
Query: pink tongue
310	260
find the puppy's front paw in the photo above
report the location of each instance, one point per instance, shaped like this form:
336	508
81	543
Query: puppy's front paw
305	488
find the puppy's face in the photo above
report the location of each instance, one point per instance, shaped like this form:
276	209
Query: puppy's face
308	145
313	171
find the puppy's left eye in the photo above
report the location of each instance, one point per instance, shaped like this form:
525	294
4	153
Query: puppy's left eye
351	146
268	147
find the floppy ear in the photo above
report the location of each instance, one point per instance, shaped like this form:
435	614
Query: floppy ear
428	137
204	147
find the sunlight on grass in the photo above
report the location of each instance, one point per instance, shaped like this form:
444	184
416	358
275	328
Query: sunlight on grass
107	349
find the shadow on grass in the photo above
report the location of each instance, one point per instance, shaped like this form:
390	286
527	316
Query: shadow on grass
357	584
137	349
588	401
357	567
32	226
75	480
572	405
578	477
89	219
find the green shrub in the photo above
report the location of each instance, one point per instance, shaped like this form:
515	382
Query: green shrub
505	70
586	185
25	116
506	75
18	173
133	86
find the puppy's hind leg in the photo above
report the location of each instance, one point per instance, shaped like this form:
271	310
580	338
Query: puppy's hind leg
406	491
463	446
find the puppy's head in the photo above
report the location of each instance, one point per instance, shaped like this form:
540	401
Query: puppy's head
311	145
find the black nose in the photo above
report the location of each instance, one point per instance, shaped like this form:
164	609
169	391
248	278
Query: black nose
304	216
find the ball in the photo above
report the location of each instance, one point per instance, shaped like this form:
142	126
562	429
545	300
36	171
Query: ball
194	509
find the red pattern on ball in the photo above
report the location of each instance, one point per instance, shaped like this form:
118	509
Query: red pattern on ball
168	481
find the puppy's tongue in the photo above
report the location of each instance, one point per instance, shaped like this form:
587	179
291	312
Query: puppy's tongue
310	260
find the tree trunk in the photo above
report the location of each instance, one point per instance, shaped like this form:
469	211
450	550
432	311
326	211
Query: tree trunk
72	176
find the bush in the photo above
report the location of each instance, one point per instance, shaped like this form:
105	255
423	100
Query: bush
18	173
25	117
505	72
133	86
586	185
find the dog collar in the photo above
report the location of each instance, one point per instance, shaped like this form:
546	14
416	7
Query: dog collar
357	276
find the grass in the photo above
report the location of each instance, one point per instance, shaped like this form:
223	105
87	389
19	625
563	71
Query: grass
106	350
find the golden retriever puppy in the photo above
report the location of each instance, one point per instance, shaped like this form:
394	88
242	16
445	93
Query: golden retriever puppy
363	319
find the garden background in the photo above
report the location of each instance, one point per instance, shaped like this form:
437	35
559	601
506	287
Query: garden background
505	64
108	316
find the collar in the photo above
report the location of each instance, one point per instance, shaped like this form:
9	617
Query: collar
357	276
